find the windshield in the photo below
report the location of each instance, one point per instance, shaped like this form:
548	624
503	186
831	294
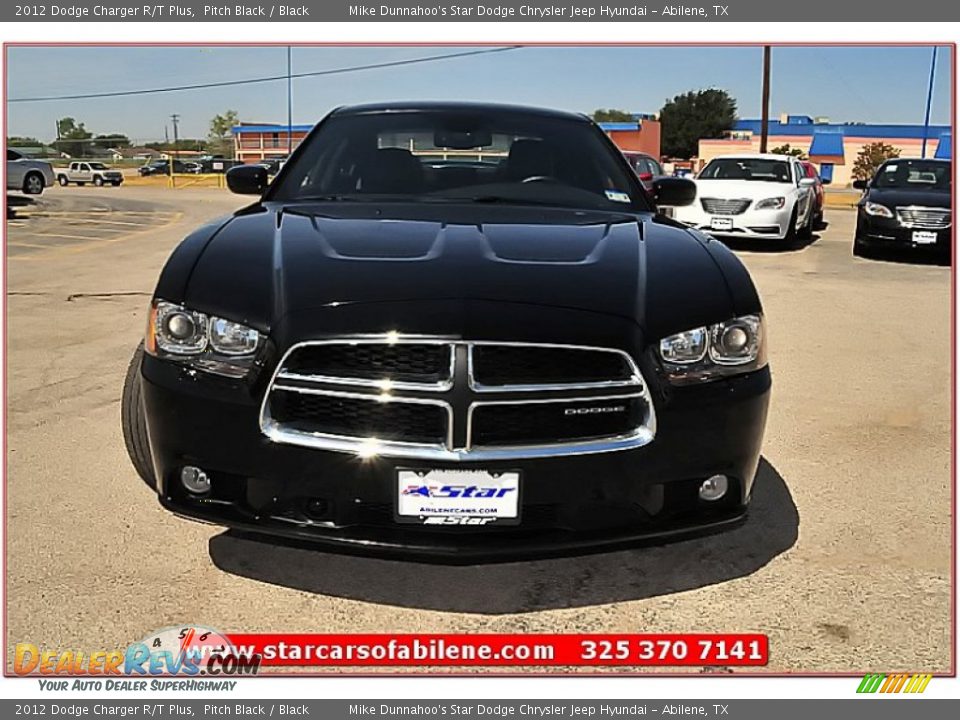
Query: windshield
438	156
746	169
914	175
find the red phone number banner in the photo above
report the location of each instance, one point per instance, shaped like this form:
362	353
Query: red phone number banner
328	650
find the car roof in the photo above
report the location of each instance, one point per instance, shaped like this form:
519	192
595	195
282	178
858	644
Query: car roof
755	156
451	106
917	159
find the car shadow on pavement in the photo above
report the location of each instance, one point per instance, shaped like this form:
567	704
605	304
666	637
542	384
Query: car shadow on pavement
773	246
532	585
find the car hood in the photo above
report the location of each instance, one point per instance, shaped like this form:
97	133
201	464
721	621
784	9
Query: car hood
734	189
269	262
892	197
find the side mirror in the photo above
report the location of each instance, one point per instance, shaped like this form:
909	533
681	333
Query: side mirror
807	182
860	184
247	179
677	192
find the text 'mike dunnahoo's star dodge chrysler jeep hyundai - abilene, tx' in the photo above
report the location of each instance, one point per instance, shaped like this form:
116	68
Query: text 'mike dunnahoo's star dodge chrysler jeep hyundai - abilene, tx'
452	329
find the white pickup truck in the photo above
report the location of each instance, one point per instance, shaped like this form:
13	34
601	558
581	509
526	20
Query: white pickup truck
95	173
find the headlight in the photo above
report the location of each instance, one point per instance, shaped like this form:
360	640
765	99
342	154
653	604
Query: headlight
206	342
707	353
774	203
877	210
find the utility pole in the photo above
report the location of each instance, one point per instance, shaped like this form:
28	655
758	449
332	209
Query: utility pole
765	100
926	117
289	100
176	139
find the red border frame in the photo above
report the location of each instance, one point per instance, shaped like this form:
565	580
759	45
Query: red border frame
611	673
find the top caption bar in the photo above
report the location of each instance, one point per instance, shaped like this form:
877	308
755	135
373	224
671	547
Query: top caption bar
496	11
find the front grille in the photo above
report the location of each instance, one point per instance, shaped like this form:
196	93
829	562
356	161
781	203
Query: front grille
924	218
507	365
720	206
408	362
555	421
456	400
359	417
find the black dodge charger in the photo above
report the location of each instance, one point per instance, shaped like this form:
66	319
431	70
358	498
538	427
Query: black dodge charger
452	329
906	206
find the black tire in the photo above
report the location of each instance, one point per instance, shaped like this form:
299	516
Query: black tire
98	181
134	423
791	236
62	179
116	183
33	183
860	249
806	232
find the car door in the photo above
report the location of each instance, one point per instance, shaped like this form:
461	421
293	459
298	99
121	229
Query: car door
84	174
14	170
804	194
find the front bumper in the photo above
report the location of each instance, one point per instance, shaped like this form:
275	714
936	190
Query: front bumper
568	502
880	232
753	224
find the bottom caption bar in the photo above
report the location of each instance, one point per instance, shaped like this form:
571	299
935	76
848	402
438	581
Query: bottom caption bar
315	650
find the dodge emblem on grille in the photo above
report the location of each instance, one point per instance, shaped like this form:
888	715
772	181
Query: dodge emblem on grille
595	410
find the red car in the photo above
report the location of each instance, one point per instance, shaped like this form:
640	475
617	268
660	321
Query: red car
645	166
810	171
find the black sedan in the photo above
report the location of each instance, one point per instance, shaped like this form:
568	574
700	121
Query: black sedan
906	206
457	330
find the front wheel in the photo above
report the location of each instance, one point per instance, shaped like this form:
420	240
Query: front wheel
806	232
133	421
98	181
790	238
33	183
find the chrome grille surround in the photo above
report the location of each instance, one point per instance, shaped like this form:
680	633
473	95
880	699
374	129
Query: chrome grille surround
923	218
724	206
460	397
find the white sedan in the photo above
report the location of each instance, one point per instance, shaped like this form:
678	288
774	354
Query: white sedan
752	196
26	175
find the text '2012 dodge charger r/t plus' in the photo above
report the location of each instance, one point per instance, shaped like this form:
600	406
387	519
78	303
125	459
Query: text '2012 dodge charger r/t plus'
452	329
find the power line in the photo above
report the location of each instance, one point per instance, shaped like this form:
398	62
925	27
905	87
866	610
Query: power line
272	78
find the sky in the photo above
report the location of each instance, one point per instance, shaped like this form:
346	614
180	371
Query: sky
846	84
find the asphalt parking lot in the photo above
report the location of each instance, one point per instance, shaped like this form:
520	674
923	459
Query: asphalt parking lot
845	561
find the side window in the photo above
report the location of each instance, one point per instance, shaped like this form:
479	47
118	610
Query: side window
84	167
12	155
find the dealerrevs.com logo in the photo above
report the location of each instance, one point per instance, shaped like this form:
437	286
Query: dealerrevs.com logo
186	650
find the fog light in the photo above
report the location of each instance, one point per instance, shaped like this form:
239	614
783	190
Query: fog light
714	488
195	480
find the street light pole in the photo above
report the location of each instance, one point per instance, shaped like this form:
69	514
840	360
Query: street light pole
926	117
289	100
176	141
765	100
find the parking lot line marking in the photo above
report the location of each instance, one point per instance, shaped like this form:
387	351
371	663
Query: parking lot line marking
99	221
64	235
57	250
28	245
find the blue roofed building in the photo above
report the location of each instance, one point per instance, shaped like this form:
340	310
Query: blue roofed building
832	147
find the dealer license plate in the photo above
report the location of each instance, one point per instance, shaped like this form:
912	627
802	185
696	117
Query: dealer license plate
721	223
924	238
458	497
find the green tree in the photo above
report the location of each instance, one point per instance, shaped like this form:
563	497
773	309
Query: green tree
72	137
611	115
789	150
220	139
871	157
22	141
110	141
694	116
